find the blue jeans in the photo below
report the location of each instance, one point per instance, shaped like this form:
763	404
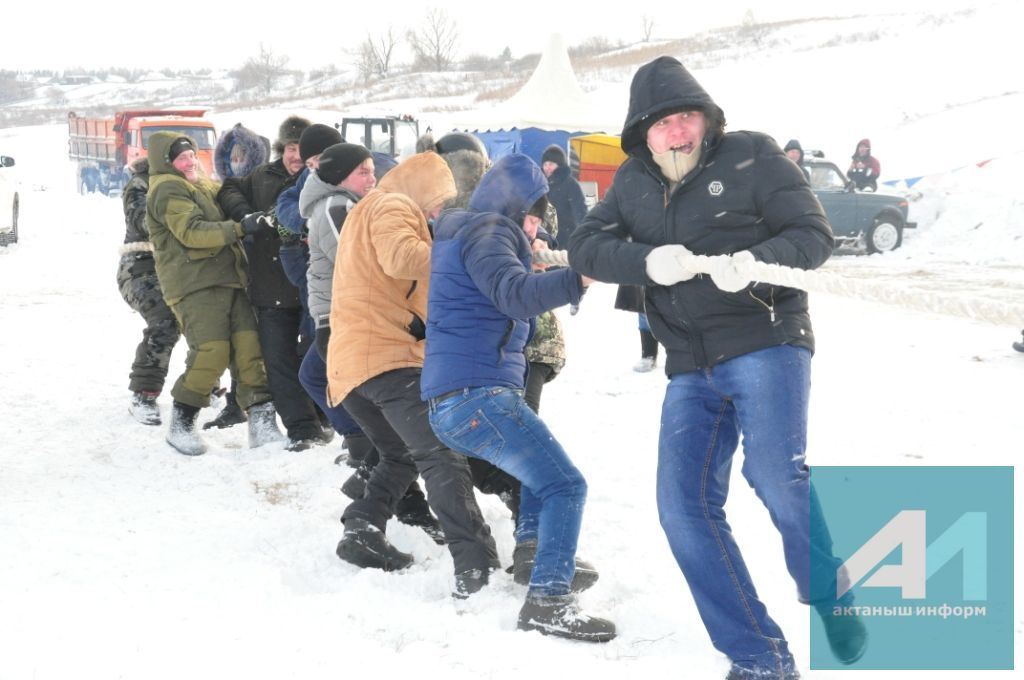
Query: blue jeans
762	395
496	425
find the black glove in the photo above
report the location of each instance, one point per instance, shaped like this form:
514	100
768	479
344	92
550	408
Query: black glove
323	336
251	223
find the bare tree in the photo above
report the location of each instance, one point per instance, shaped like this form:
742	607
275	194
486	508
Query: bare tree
648	26
262	71
434	43
374	58
752	29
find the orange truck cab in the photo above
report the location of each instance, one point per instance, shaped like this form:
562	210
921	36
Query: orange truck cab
105	148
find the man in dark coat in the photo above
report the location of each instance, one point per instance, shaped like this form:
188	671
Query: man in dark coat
565	192
738	354
279	312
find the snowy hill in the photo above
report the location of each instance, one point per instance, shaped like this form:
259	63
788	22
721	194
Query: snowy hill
121	558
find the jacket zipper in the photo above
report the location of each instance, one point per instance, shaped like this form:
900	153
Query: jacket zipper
769	307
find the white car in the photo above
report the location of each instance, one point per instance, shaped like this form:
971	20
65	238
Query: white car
8	203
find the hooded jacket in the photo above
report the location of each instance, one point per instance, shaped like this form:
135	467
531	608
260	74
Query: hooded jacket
324	207
864	170
567	197
194	246
381	276
744	194
483	296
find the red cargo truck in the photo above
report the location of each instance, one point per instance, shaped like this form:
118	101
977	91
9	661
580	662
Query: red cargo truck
105	147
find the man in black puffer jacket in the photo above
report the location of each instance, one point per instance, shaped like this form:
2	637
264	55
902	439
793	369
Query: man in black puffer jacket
279	312
739	354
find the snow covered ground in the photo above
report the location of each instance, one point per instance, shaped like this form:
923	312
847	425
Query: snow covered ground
121	559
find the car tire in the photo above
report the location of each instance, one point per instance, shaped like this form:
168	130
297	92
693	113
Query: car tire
885	235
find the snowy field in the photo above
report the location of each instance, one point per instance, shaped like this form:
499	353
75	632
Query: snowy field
120	558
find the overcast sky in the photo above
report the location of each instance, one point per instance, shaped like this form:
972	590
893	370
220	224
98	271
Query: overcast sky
313	33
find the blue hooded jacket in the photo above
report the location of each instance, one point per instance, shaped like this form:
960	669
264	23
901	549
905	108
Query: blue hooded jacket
483	295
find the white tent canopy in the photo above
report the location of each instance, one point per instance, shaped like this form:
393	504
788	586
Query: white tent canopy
551	99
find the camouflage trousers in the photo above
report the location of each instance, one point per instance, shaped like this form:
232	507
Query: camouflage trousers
220	329
143	294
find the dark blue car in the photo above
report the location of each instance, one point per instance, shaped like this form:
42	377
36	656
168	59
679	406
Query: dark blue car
861	220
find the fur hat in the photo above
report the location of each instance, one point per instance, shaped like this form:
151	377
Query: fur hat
290	132
556	155
339	160
316	138
178	146
452	142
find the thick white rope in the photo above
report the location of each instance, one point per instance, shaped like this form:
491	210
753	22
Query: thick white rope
836	284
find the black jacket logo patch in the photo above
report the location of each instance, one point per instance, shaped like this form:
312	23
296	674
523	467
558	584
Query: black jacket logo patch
715	188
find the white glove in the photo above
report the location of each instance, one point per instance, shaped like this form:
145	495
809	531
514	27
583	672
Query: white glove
727	270
668	265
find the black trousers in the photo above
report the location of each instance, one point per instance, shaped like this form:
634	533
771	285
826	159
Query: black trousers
279	342
388	409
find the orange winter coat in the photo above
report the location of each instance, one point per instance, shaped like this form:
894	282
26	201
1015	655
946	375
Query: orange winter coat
381	274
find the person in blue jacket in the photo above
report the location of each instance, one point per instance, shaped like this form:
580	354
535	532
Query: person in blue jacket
480	315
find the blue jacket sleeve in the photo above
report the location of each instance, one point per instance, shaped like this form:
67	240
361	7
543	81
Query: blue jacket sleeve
288	205
492	261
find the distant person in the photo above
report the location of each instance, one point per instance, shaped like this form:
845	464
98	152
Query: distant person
795	153
565	193
865	168
203	273
631	299
140	288
1019	346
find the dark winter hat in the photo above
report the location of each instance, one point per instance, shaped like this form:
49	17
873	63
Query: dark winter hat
290	132
556	155
339	160
382	163
316	138
178	146
460	141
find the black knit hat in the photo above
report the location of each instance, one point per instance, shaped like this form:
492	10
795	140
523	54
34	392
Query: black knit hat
556	155
179	145
339	160
316	138
289	132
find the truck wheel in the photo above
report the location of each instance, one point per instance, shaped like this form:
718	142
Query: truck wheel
885	235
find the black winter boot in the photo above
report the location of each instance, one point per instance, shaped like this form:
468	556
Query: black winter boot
524	556
317	438
230	415
366	546
413	510
355	486
847	635
559	615
469	582
263	425
144	409
182	433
